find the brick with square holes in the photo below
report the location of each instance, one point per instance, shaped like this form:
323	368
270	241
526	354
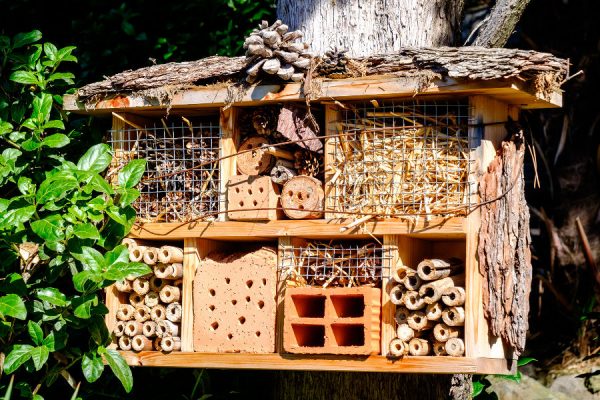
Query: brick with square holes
252	198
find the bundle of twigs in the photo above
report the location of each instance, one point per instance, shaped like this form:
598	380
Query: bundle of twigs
344	265
400	162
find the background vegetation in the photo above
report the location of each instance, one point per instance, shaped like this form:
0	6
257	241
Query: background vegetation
112	36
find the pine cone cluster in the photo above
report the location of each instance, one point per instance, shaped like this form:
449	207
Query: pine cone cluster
334	62
272	50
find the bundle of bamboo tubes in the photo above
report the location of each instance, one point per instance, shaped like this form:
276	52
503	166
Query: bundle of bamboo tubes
430	312
399	163
334	265
151	318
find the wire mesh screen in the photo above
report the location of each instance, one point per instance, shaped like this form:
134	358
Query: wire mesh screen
335	264
181	182
400	158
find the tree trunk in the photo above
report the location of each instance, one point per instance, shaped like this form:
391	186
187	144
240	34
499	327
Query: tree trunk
365	28
373	26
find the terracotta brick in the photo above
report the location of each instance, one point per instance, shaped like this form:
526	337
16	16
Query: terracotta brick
332	321
250	194
234	302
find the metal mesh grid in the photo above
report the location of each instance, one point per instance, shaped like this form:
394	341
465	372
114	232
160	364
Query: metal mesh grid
402	158
170	190
335	263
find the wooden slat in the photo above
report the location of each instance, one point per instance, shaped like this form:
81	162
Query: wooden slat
191	261
111	302
409	364
332	120
510	91
227	147
284	247
437	228
388	310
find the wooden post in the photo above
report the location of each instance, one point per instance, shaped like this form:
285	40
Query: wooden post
332	119
227	147
391	258
191	261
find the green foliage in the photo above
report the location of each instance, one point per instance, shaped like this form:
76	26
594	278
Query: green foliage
481	383
60	221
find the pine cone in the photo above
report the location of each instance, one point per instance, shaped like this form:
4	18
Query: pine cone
307	163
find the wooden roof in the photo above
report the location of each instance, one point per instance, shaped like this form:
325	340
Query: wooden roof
526	78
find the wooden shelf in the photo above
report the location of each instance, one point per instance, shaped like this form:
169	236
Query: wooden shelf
410	364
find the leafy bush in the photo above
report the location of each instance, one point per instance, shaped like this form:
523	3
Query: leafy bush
60	225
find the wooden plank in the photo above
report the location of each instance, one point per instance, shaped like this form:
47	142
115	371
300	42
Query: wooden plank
437	228
510	91
111	302
191	261
300	362
332	122
388	310
227	147
284	247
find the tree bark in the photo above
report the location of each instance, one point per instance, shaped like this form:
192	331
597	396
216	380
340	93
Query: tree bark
374	26
496	29
366	28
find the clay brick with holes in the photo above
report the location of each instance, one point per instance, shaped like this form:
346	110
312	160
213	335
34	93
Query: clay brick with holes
332	321
234	302
251	198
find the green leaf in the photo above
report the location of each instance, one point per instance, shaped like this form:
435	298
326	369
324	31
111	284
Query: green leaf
525	360
121	270
54	124
56	141
50	342
56	187
31	144
91	259
39	355
92	366
13	283
35	332
25	78
42	105
83	305
131	173
128	196
15	217
81	278
119	367
52	296
477	388
99	184
63	76
12	305
96	159
5	127
51	51
9	389
49	228
26	187
123	216
23	39
86	231
119	254
19	355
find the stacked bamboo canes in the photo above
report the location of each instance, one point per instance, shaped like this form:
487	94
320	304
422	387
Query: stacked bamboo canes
430	312
404	163
151	317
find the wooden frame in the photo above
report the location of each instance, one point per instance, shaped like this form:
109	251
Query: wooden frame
404	241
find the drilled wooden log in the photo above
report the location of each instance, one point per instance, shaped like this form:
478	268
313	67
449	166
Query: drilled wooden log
504	255
432	291
170	254
302	197
418	347
433	269
398	348
253	158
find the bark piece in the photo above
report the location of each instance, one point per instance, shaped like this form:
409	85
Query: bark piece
293	125
499	25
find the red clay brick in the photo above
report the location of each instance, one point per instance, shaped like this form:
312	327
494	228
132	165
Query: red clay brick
332	321
250	194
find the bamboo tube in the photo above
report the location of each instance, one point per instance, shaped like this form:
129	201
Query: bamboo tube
119	328
125	343
158	313
454	296
125	312
136	299
151	299
454	316
170	254
396	295
412	282
434	269
129	243
166	328
433	312
141	286
419	322
133	328
170	343
432	292
170	294
443	332
149	329
136	253
401	273
156	343
141	343
142	313
398	348
418	347
413	301
175	271
173	312
401	315
123	286
279	153
439	348
162	271
405	332
150	255
156	283
455	347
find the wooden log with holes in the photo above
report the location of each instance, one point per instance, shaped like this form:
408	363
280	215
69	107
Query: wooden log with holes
302	197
